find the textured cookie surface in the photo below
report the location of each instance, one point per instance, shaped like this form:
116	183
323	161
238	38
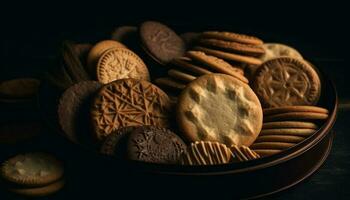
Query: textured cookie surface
218	107
120	63
32	169
274	50
206	153
155	145
129	102
73	109
286	81
162	42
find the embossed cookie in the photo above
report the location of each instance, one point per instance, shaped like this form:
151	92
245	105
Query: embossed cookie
286	81
275	50
97	50
32	169
245	49
115	143
228	56
128	102
216	64
155	145
243	153
181	76
218	107
206	153
73	109
19	88
120	63
161	42
235	37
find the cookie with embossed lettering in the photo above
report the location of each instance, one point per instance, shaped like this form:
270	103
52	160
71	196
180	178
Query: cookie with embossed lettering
129	102
162	43
206	153
286	81
97	50
32	169
155	145
219	107
119	63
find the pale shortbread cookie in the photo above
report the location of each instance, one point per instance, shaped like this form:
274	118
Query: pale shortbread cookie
221	108
274	50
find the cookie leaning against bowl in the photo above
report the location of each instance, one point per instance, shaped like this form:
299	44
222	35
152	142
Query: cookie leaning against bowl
206	153
32	169
218	107
216	64
96	52
73	110
161	42
286	81
119	63
155	145
129	102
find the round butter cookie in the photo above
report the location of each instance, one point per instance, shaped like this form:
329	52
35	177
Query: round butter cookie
218	107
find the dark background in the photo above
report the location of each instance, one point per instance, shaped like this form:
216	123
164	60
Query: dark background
31	34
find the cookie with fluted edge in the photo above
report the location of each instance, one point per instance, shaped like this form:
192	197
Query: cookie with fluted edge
96	52
286	81
39	191
218	107
206	153
120	63
161	42
128	102
32	169
155	145
216	64
230	36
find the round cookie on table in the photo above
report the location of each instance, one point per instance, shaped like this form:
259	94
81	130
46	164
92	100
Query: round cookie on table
33	174
219	107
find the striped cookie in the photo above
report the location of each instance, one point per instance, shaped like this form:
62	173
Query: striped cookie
289	124
243	153
181	76
296	116
279	138
288	131
245	49
229	56
206	153
284	109
234	37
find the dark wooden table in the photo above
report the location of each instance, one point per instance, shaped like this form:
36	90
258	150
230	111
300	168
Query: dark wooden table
31	41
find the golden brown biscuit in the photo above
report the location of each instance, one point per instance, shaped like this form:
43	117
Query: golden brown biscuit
216	64
271	145
288	131
267	152
307	116
284	109
218	107
286	81
96	52
228	56
235	37
279	138
185	63
120	63
206	153
289	124
181	76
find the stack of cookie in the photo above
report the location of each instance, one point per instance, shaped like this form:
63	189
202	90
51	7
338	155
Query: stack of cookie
20	119
284	127
32	174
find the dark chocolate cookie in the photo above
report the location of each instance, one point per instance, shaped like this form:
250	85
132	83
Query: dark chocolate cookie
162	43
115	143
155	145
73	110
